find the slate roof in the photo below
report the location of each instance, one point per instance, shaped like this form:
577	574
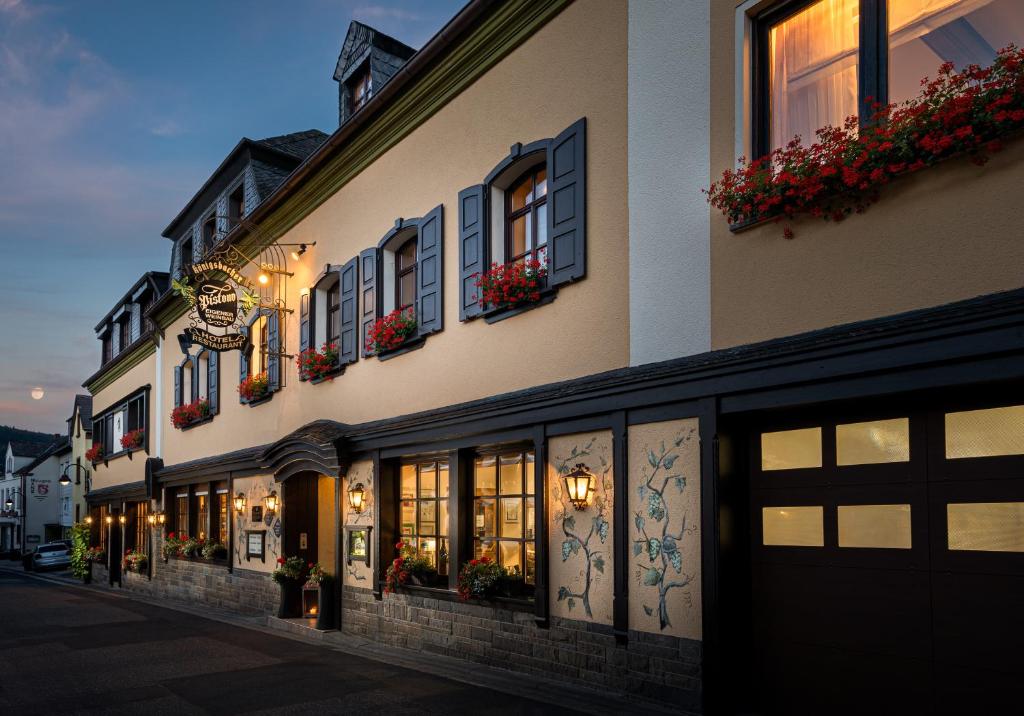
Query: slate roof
118	492
267	177
22	448
47	452
83	404
297	144
358	38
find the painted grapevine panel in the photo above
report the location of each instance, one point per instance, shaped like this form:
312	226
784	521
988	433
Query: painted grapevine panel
581	540
664	508
358	573
255	489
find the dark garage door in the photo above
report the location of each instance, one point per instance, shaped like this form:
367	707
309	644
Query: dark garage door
888	562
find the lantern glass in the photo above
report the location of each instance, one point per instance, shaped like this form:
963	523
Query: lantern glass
110	520
122	519
578	485
356	495
271	501
161	517
151	519
239	503
88	519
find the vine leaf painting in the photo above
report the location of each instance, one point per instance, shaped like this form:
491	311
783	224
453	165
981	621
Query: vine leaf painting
663	569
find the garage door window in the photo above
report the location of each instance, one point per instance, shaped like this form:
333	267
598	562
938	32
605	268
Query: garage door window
985	433
793	526
986	526
874	526
877	441
791	449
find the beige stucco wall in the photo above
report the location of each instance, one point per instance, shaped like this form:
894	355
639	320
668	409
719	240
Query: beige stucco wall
121	470
255	489
326	539
584	331
664	532
357	574
578	537
948	233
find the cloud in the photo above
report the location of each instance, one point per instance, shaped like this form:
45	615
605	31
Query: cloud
166	128
381	12
16	9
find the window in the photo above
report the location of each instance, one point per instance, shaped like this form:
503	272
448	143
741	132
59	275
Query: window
405	275
503	512
793	526
874	526
181	513
333	314
198	378
185	254
424	511
263	354
985	433
791	449
526	217
236	206
361	88
125	327
209	231
986	526
811	69
108	350
202	515
141	510
223	514
878	441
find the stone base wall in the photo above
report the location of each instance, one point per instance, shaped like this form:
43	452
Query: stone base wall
651	666
100	573
208	584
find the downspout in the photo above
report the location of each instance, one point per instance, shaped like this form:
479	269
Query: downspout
158	402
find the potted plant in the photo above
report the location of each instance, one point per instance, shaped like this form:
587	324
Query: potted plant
510	285
484	578
134	560
391	331
254	387
408	567
172	545
214	550
316	364
134	439
94	454
185	415
288	575
317	596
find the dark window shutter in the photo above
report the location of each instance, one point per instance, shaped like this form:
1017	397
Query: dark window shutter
177	386
348	285
430	272
213	381
243	358
567	205
273	350
368	301
472	248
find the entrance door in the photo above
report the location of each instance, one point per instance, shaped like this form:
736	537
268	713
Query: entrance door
300	516
888	563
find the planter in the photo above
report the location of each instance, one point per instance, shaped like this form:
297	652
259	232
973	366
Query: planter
290	604
325	617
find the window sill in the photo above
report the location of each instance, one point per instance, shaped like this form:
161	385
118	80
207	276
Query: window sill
413	344
196	424
216	561
326	378
500	314
510	603
258	401
740	226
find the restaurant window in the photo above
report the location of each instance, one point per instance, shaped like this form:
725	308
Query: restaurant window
812	70
141	510
223	514
424	511
503	512
526	217
181	513
202	515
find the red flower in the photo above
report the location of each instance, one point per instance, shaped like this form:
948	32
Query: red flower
280	560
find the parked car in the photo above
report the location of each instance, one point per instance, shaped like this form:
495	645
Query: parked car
55	555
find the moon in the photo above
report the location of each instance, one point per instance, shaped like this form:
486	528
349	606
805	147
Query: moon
38	393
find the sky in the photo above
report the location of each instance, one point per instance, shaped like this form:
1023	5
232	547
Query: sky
112	114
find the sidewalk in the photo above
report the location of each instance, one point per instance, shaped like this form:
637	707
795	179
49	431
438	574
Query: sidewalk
554	692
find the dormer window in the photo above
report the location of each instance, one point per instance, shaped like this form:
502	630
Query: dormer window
186	254
236	206
108	350
209	231
361	88
125	327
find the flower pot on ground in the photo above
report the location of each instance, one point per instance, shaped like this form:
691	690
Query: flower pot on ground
408	567
254	387
185	415
510	285
391	331
289	576
316	364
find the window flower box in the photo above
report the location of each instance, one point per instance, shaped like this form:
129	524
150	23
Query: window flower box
94	454
513	285
408	567
185	415
967	113
484	579
133	440
134	561
391	332
317	365
255	387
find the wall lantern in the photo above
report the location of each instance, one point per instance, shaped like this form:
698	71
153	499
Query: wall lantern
151	518
110	520
161	517
271	501
9	504
122	519
88	519
356	497
240	503
578	484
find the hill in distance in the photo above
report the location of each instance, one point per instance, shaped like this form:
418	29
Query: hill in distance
8	433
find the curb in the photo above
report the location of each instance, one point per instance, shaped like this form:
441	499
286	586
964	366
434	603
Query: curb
539	688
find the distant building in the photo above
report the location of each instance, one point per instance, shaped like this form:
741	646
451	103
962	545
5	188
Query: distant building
17	454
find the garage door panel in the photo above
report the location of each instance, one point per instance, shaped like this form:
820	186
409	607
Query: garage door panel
810	679
866	611
979	621
985	518
964	690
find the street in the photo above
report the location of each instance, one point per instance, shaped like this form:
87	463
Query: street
65	650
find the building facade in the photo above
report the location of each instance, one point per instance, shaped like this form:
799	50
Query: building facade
718	468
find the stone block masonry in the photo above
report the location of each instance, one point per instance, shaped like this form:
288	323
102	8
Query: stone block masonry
649	666
207	583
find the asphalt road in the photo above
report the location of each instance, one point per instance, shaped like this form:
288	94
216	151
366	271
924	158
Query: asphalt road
65	650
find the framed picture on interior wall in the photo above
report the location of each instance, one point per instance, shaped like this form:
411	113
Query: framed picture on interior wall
512	511
357	544
256	545
257	513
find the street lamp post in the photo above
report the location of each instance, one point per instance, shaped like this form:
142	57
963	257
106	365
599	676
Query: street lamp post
9	505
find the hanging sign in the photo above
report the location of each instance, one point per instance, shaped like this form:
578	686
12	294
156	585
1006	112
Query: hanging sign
218	305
